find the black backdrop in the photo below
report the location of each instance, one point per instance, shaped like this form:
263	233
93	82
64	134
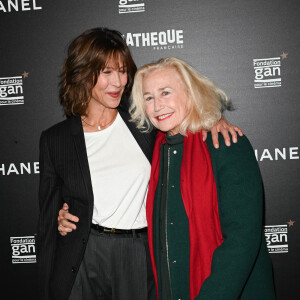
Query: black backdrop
249	48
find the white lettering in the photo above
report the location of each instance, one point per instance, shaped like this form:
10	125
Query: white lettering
266	62
258	73
168	47
146	39
11	90
129	39
282	154
124	2
15	250
294	151
179	36
2	7
162	37
11	4
21	169
12	169
23	166
23	249
279	238
171	39
25	6
153	38
35	7
266	154
261	73
31	248
2	169
36	167
137	35
274	71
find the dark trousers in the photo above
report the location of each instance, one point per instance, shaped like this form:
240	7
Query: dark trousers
115	267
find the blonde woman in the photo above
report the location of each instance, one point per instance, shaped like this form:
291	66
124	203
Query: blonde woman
204	206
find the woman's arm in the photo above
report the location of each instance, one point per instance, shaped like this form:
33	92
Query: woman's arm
49	201
224	127
240	200
66	220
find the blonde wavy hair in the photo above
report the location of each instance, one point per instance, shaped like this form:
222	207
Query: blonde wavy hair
206	99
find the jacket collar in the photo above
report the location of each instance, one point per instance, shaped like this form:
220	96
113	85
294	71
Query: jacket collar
76	127
79	142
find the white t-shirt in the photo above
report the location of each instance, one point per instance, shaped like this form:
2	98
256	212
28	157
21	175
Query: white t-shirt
120	174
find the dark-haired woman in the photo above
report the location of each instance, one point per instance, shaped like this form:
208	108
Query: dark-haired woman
98	163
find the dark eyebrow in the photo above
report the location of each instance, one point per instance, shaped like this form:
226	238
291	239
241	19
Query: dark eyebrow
112	68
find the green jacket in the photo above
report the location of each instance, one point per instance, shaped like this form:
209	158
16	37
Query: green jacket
235	170
241	265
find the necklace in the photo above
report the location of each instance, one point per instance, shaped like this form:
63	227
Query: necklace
98	126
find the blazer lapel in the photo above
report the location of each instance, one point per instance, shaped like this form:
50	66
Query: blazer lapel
79	142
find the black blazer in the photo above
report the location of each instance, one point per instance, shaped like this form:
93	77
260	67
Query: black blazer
65	177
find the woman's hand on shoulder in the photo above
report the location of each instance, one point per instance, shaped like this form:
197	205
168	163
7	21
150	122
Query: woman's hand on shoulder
65	220
224	127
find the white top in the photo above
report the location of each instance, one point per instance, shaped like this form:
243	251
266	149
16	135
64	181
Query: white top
120	174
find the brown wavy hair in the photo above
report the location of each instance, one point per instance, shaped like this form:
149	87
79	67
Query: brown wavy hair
87	55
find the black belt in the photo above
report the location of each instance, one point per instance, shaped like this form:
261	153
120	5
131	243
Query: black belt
116	230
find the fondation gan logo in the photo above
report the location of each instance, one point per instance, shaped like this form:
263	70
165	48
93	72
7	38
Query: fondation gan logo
277	237
131	6
23	249
160	40
11	90
268	71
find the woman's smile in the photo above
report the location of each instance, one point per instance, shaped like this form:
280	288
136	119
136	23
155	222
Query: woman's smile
164	116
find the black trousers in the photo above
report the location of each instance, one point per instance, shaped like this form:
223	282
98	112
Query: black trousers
115	267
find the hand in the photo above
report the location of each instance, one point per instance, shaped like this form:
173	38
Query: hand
224	127
64	226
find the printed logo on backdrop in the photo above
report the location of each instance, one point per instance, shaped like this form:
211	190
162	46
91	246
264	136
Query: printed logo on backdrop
131	6
159	40
19	5
277	237
23	249
285	153
11	90
19	168
268	71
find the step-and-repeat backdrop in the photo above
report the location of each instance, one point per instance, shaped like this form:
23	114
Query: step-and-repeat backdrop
249	48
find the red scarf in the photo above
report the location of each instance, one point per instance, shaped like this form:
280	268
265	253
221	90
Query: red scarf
199	194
